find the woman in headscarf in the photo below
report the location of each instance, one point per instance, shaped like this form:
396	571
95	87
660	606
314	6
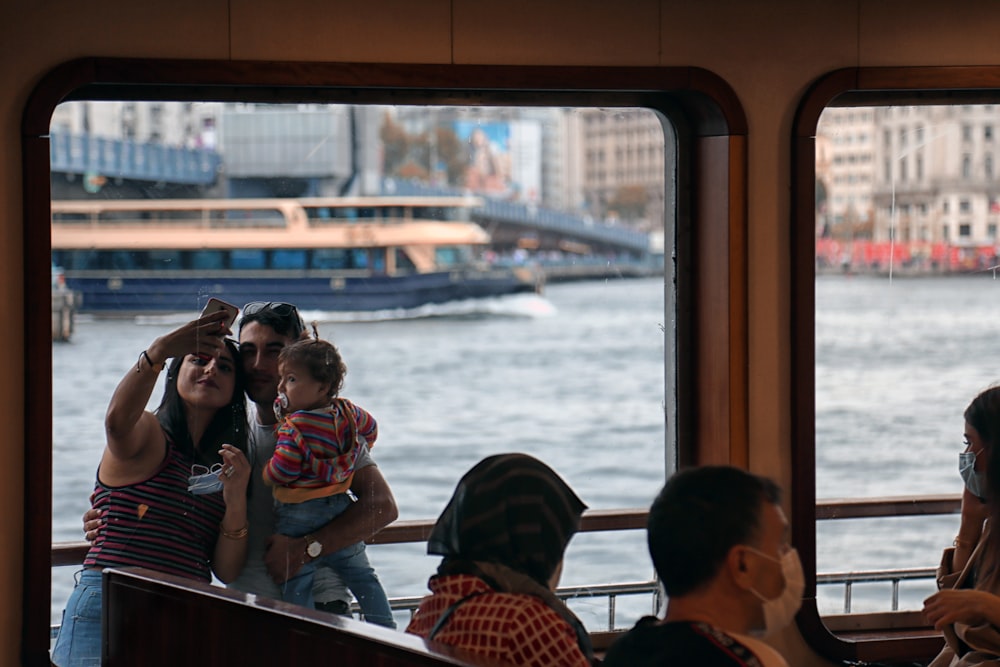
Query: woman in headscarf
502	536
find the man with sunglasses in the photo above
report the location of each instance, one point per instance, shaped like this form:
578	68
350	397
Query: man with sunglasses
264	330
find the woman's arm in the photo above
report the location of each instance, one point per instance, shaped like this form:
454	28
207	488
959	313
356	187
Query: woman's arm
974	513
135	442
231	547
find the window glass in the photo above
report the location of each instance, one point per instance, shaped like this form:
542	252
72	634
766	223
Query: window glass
488	292
905	325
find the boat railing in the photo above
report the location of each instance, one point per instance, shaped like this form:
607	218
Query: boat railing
400	532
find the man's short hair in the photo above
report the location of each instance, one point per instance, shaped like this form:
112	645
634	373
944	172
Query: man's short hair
700	514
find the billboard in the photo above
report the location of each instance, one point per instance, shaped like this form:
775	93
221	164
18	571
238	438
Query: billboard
503	158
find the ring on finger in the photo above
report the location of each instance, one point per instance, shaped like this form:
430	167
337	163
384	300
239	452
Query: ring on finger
228	472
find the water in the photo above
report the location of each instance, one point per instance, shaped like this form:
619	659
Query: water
575	378
897	363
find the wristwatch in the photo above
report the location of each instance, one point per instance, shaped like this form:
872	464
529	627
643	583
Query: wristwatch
313	547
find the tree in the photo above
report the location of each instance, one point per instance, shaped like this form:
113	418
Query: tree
630	202
395	145
451	151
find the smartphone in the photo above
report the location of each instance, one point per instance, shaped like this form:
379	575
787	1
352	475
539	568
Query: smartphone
215	305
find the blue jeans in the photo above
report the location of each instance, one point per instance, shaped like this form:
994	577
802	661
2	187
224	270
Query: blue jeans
350	563
78	643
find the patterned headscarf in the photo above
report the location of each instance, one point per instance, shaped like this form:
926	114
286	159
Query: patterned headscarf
510	509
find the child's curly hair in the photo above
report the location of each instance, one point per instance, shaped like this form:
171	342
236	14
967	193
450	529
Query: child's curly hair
321	358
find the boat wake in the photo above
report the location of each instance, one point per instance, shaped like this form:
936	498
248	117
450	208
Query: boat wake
513	305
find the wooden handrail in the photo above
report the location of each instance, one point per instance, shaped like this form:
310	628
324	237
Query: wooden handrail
863	508
72	553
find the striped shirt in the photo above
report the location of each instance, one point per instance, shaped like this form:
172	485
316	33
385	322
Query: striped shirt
317	450
157	523
514	627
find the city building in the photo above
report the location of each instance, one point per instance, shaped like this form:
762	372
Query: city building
935	175
624	153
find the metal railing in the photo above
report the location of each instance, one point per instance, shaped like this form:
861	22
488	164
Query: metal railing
567	594
848	579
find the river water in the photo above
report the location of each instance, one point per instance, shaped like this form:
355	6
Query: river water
897	363
575	378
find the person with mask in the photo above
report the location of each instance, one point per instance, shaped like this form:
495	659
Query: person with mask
502	537
966	607
719	542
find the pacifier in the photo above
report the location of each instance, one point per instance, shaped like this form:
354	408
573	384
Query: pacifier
280	405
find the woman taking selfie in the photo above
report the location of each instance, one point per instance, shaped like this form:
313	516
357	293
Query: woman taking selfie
171	485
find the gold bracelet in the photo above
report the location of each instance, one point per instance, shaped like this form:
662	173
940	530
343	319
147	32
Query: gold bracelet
236	534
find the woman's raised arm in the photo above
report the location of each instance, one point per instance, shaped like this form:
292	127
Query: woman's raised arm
127	424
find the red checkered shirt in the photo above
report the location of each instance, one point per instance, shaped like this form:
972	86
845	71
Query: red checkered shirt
517	628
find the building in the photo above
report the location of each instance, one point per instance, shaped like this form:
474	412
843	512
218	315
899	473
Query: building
624	153
845	171
935	175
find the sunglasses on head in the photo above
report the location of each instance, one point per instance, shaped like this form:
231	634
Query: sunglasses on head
285	311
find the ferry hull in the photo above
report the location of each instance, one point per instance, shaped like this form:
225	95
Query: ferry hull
129	295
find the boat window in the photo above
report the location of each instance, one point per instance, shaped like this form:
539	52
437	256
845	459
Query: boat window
404	243
288	259
208	259
455	256
242	258
899	309
904	322
404	263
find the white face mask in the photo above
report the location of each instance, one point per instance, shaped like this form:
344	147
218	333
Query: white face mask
975	481
779	611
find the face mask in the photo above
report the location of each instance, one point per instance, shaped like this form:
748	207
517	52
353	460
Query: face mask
205	482
280	405
779	611
975	481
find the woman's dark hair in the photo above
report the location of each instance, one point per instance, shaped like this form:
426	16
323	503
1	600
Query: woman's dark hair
321	358
228	426
983	414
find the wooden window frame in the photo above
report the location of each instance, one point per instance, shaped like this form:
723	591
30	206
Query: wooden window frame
896	636
710	263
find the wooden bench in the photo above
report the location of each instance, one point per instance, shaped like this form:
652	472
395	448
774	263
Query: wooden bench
156	619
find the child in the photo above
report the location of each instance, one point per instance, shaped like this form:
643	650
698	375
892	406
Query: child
318	439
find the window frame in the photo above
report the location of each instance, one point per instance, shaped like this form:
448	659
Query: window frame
710	360
849	87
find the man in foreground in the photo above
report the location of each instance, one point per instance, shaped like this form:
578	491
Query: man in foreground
719	543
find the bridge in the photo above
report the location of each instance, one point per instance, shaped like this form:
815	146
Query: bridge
99	158
509	222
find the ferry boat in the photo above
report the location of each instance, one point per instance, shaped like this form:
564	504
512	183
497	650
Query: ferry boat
354	254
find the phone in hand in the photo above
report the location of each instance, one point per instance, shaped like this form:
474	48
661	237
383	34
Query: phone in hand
215	305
